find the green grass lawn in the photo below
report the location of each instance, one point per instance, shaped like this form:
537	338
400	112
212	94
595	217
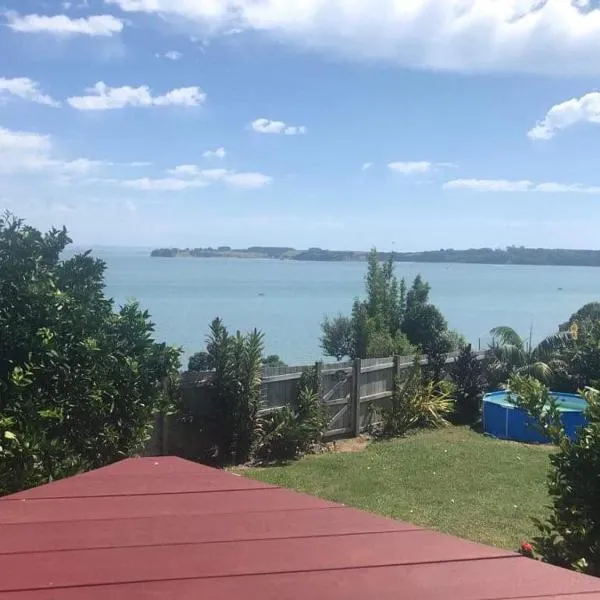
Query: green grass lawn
452	480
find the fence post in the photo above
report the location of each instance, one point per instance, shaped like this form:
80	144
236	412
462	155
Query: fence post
396	370
356	396
318	369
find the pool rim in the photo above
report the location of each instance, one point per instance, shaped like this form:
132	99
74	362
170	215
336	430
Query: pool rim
553	394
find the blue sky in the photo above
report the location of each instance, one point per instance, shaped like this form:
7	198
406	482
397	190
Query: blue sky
416	124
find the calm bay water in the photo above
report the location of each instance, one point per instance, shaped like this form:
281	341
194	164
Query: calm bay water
287	300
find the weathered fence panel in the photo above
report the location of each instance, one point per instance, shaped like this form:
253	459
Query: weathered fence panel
350	392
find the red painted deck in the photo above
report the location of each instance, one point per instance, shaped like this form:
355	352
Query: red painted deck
165	528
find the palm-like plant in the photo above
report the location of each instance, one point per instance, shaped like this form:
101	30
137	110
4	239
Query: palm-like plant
511	354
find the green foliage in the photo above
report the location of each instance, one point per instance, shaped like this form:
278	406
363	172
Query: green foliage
468	376
416	403
288	432
236	385
311	380
337	339
390	321
382	343
587	314
580	355
512	355
79	382
201	361
273	360
570	537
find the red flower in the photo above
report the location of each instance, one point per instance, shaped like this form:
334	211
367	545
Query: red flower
526	548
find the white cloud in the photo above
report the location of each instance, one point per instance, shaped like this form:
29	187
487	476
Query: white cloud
576	110
185	177
268	126
33	152
185	171
173	55
103	97
26	89
366	166
165	184
571	188
23	141
248	180
504	185
411	167
220	153
215	174
541	36
488	185
62	25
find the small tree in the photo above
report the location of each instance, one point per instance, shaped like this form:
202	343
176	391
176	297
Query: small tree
199	362
469	379
337	337
570	537
236	385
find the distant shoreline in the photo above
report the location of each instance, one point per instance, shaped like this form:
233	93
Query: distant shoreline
487	256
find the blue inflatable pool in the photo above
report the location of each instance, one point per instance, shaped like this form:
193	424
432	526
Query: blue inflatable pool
503	420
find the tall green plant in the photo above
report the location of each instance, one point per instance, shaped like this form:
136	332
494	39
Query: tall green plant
570	537
236	385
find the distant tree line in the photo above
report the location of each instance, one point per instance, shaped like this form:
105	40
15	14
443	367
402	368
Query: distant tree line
513	255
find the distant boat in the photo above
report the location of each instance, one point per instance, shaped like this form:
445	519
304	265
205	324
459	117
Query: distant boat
560	289
261	294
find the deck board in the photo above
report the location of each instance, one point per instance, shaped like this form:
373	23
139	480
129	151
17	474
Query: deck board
156	529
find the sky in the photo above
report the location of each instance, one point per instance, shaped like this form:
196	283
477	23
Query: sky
342	124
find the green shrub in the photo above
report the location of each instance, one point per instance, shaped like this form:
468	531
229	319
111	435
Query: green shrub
570	537
416	403
468	376
286	433
80	383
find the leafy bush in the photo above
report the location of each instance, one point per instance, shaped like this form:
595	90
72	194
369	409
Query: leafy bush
286	433
582	354
201	361
589	313
570	537
468	376
79	383
273	360
236	384
416	403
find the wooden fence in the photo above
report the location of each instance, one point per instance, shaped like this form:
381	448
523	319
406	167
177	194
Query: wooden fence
349	393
